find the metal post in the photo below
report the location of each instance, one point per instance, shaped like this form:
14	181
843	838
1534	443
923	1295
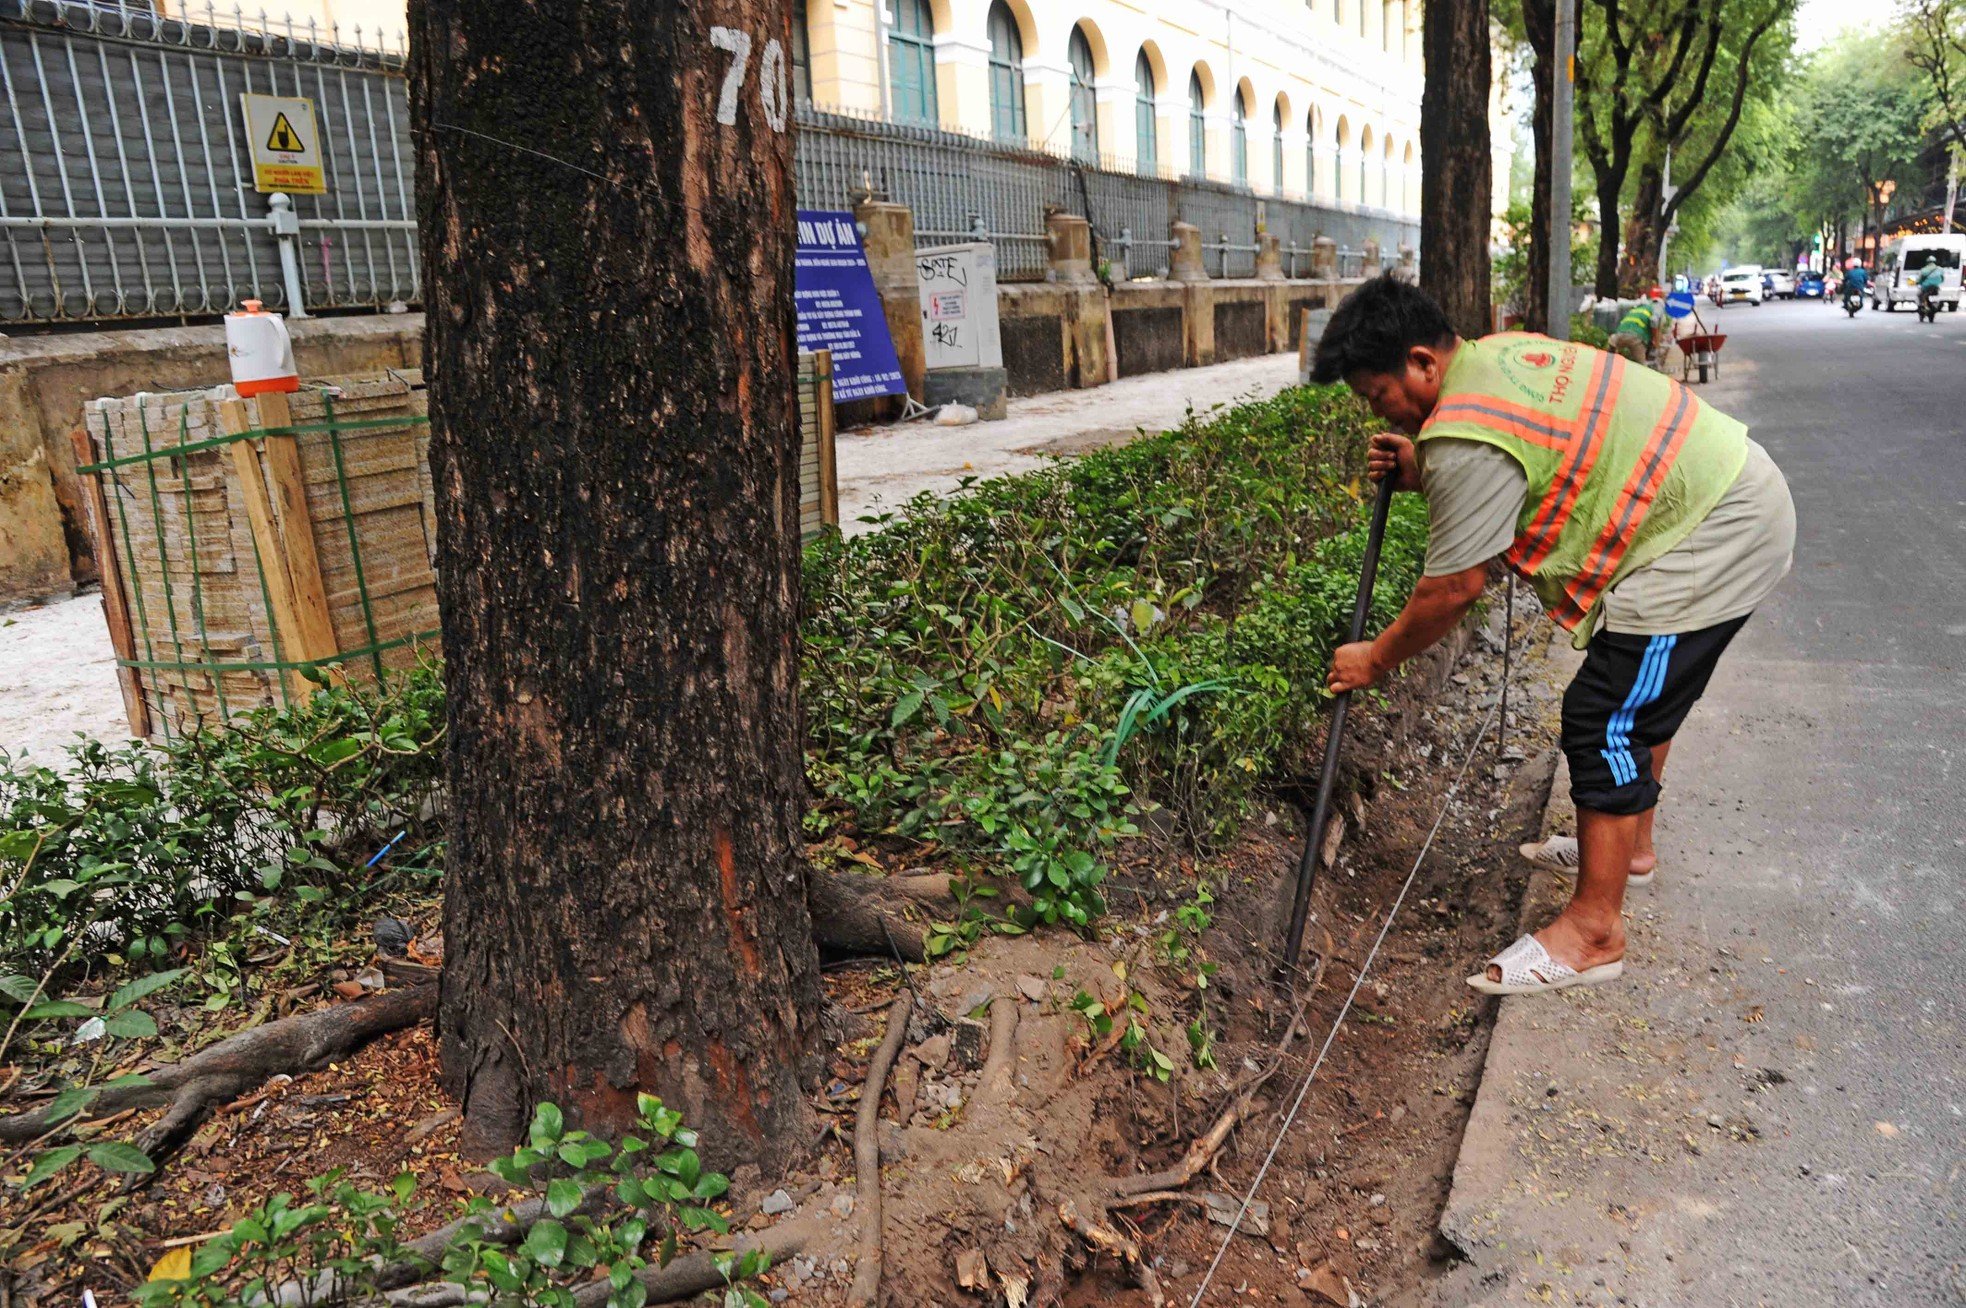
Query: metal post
1952	188
285	225
1561	109
1665	237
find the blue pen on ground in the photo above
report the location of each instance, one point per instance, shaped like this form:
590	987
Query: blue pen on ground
386	848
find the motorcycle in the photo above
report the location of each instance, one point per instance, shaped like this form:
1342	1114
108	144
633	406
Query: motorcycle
1928	304
1853	300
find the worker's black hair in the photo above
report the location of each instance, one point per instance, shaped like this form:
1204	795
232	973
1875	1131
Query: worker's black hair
1375	326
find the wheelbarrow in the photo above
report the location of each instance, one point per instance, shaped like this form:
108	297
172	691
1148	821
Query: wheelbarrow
1700	352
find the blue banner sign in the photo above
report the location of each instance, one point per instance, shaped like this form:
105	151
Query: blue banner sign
839	309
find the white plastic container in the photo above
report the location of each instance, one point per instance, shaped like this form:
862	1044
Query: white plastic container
260	352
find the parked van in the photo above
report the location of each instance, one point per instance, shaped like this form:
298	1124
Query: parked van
1897	280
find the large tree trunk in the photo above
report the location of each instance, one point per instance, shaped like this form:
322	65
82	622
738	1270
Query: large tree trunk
1638	265
1609	225
1456	168
606	218
1539	24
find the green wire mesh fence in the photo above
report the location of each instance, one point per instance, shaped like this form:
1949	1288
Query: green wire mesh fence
253	547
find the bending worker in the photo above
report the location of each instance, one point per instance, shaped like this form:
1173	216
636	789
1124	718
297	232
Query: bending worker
1648	524
1636	330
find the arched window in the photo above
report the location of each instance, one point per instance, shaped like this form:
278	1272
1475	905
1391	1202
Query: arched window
801	55
1364	162
1388	26
1276	147
1006	75
1310	155
1085	111
911	60
1239	142
1197	130
1342	159
1146	136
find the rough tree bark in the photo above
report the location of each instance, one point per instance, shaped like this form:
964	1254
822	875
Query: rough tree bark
1456	167
605	205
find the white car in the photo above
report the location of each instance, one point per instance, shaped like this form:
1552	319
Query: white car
1742	284
1897	280
1780	284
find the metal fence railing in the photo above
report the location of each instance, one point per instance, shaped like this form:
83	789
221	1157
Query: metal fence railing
126	177
965	188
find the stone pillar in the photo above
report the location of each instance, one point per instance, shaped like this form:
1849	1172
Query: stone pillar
1324	259
1187	266
1372	266
1070	238
1269	260
889	236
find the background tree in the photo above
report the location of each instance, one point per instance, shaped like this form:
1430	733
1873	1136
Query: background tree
1456	181
1936	45
605	206
1667	74
1859	118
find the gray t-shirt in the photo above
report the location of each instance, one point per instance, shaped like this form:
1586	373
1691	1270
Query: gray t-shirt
1724	568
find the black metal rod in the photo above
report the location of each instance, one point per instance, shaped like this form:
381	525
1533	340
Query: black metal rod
1300	908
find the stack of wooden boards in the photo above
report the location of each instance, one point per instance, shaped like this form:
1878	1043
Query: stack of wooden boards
253	547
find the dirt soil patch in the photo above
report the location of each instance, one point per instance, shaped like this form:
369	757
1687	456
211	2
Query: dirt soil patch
1043	1076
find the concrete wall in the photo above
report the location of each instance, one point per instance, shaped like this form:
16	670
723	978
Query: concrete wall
1054	334
1055	337
45	381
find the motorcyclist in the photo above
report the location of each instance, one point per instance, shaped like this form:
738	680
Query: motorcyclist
1930	280
1856	279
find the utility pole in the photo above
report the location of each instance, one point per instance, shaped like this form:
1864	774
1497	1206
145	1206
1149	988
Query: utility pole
1562	89
1952	188
1665	237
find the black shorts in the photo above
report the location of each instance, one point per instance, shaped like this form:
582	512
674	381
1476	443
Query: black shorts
1631	694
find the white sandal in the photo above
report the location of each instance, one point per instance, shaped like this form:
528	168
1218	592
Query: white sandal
1559	854
1528	969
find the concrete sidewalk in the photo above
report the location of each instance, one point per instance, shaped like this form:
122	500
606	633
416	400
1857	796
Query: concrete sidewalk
880	468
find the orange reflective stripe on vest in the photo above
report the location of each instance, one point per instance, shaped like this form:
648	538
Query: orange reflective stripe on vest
1622	462
1634	501
1533	546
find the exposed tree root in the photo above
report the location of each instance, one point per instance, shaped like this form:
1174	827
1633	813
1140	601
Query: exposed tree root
696	1272
1105	1239
236	1065
866	1288
994	1083
856	914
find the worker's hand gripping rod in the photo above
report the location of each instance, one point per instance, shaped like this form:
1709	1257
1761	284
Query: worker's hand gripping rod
1293	942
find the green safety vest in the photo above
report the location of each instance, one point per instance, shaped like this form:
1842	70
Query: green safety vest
1623	461
1637	319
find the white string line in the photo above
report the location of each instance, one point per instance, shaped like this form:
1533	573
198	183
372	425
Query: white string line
1474	746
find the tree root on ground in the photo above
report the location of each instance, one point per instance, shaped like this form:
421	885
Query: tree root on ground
866	1288
1106	1239
192	1089
856	914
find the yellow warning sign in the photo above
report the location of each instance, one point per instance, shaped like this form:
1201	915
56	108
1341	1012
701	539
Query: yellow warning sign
284	137
285	141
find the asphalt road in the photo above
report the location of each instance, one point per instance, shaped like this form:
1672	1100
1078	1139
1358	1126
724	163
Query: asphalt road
1770	1110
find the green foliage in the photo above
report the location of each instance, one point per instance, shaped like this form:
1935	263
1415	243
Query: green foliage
134	849
1011	678
610	1210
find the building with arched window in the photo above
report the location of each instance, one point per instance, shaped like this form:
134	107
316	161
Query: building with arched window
1239	141
1006	75
1084	110
1197	127
1146	126
911	61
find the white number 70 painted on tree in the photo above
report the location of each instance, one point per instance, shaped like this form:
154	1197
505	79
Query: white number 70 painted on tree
773	93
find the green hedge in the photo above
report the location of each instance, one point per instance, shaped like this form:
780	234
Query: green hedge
1004	680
